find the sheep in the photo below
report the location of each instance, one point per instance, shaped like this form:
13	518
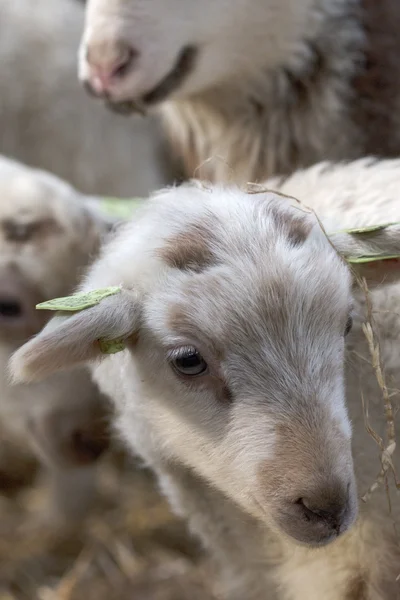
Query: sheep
248	89
48	234
244	369
46	119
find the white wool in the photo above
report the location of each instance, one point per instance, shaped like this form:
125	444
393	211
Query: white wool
271	88
252	282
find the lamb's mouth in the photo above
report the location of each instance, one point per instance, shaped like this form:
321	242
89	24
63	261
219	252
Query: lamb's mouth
173	80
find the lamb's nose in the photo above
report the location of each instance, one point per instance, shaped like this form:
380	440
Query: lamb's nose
330	516
108	65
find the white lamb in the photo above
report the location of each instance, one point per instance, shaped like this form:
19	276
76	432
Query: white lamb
47	120
261	87
47	236
234	308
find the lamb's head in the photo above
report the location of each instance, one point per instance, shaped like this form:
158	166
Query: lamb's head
140	52
234	308
46	236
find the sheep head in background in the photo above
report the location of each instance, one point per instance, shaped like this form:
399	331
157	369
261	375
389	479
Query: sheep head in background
147	52
254	87
47	237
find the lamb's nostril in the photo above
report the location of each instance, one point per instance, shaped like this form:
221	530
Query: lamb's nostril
331	516
10	309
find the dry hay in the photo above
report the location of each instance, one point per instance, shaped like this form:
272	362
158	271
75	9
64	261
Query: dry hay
129	548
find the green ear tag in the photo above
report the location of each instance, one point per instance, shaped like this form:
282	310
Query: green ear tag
121	208
368	229
112	346
79	301
371	258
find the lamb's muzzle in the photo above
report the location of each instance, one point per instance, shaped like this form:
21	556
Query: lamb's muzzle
323	516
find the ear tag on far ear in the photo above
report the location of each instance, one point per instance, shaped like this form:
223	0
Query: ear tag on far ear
81	301
370	258
121	208
368	228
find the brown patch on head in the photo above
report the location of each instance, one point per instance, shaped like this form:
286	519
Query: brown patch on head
296	228
20	232
190	250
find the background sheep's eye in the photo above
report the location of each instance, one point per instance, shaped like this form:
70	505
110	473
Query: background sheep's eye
188	361
349	325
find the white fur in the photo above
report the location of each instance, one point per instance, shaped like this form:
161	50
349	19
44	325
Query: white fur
268	314
271	90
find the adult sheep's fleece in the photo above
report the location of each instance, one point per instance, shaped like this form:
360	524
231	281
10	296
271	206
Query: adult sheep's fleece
259	87
47	120
236	311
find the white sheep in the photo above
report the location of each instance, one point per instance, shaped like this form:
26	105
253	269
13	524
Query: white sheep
48	234
261	87
234	308
47	120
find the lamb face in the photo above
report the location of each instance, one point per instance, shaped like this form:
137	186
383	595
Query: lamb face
147	51
235	308
257	366
46	237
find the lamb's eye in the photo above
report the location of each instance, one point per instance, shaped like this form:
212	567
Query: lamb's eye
349	325
188	361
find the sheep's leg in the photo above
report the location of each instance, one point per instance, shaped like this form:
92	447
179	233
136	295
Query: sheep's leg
238	551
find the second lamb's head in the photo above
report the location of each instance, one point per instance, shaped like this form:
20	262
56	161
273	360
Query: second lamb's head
47	237
234	309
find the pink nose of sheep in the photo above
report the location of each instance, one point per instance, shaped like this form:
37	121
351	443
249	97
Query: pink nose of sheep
107	66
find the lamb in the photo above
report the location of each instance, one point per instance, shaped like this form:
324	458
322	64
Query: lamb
47	236
248	89
48	122
234	307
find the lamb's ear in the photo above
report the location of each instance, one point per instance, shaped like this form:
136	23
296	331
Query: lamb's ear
70	339
373	252
112	212
106	221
